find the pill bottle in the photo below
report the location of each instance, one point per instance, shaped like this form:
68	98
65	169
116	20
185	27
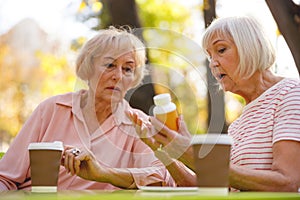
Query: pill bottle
165	110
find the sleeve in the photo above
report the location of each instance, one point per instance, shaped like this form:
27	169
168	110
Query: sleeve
287	117
14	166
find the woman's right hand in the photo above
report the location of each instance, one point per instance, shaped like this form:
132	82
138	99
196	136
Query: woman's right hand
81	162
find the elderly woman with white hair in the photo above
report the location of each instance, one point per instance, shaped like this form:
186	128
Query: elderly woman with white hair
265	151
102	150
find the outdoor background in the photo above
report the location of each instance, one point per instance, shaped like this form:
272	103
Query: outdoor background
39	41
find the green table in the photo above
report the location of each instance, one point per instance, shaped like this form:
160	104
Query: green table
139	195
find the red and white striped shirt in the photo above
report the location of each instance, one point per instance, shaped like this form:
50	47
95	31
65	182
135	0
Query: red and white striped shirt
273	116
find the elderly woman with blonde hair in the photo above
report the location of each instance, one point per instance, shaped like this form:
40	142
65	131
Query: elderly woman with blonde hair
265	151
102	150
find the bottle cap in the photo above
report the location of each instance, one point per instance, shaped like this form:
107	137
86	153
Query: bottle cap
162	99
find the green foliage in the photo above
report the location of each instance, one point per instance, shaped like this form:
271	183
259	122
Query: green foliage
23	87
58	76
166	14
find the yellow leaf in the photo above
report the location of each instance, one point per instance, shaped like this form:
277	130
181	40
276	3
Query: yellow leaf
97	6
82	6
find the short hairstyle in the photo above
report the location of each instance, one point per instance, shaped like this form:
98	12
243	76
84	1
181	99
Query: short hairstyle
255	50
118	41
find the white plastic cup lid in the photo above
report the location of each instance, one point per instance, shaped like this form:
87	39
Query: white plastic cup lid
57	145
211	138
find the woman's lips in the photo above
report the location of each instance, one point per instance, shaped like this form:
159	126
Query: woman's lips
114	88
220	76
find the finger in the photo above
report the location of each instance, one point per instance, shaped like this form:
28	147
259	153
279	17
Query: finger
139	122
63	158
66	160
162	129
85	160
69	162
129	114
146	138
158	125
141	126
144	130
183	130
77	163
132	116
138	128
161	139
78	160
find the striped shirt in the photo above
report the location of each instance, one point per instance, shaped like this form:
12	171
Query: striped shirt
273	116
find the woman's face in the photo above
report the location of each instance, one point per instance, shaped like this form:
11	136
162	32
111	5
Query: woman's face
113	76
224	61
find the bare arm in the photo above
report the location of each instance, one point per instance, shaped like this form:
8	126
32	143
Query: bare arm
284	175
188	158
116	176
182	175
86	166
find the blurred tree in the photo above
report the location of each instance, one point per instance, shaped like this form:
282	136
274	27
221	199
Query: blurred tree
216	105
21	89
287	16
12	88
31	69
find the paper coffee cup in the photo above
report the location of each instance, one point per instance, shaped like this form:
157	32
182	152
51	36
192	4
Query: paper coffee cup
44	164
212	157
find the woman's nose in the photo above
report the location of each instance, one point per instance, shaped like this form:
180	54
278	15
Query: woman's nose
117	73
213	63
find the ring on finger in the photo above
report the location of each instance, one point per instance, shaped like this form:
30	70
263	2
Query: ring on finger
160	147
75	152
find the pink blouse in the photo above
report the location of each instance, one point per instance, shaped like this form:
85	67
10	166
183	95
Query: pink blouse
115	144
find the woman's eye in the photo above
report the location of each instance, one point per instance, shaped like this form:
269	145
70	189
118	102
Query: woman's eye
128	70
110	65
222	50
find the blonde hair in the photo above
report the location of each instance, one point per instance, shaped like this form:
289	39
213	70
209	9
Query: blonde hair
255	50
116	40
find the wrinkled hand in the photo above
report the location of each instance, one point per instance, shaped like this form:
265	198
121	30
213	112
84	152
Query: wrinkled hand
166	143
83	164
144	130
174	143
